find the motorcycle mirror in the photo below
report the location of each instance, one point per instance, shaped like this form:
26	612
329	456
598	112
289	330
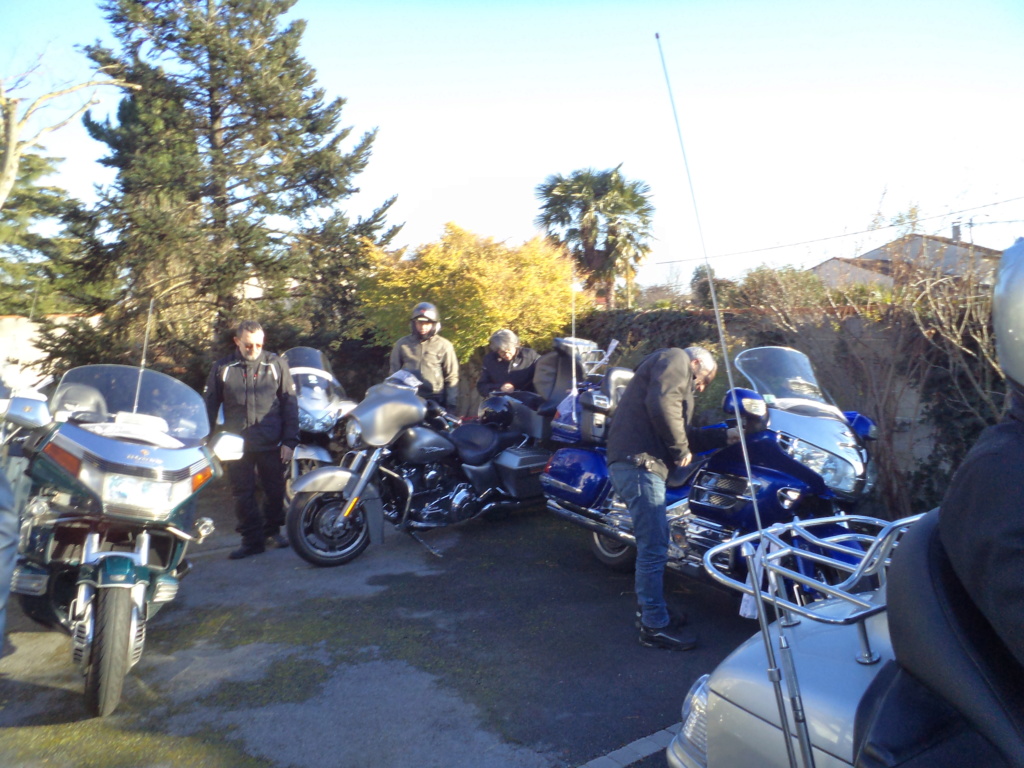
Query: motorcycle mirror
752	408
862	425
27	412
227	446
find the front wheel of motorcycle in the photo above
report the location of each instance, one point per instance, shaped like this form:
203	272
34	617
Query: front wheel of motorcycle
319	532
615	554
109	656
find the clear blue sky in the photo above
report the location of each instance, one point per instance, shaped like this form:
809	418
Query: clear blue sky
800	118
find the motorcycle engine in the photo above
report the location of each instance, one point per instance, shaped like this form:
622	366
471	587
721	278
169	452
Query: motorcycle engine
438	498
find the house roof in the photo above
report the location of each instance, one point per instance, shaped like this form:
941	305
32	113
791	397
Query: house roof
951	257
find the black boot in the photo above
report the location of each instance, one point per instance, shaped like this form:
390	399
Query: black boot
664	637
246	550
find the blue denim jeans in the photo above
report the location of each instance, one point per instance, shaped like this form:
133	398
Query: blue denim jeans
644	493
8	548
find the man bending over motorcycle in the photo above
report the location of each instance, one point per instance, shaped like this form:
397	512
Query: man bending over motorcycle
649	437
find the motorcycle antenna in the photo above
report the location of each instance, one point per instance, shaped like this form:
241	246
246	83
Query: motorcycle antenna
775	674
145	349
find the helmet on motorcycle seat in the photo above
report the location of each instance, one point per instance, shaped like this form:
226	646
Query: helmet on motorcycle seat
428	312
1008	313
496	411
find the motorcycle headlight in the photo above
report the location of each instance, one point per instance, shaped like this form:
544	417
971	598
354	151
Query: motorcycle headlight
695	718
316	422
125	490
353	434
838	473
143	497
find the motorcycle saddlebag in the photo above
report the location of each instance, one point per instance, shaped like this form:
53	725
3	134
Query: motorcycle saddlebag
519	470
576	475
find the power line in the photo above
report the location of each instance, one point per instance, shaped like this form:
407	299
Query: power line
848	234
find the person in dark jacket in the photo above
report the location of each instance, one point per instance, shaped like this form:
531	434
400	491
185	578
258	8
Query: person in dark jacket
981	518
429	356
648	437
508	367
258	394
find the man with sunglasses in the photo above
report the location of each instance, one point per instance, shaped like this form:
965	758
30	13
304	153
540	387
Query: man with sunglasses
256	390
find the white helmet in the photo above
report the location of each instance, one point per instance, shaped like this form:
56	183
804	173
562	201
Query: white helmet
1008	312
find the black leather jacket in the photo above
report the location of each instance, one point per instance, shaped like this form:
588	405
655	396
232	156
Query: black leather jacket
649	427
258	398
518	372
981	526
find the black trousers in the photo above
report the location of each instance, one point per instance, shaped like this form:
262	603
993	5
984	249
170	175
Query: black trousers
266	468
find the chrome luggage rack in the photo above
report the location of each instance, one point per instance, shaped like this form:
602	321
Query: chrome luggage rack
848	566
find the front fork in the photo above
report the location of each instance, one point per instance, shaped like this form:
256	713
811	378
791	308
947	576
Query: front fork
356	494
109	570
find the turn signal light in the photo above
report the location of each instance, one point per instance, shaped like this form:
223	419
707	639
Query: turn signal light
199	478
65	459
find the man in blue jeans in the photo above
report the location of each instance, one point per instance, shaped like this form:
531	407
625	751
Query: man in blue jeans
646	440
8	548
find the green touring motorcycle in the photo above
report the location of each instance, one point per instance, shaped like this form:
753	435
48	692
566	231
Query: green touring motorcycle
115	459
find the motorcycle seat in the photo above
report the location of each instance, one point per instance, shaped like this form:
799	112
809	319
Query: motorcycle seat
479	443
941	638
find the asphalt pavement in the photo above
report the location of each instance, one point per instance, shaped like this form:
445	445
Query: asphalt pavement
515	649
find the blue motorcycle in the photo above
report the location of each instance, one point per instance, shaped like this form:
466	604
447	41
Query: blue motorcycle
808	459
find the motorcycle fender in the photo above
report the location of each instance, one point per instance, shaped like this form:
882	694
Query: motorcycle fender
313	452
114	571
334	479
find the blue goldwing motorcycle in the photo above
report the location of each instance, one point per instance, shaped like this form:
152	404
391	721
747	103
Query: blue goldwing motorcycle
116	459
808	459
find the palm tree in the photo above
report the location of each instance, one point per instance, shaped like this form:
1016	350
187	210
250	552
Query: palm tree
604	221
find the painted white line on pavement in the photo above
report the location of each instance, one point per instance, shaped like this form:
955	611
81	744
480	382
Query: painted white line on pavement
635	750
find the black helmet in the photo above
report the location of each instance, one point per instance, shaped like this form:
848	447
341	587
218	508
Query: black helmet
496	411
1008	312
425	311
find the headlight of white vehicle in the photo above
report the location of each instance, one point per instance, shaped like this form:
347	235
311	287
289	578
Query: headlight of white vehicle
353	434
838	473
695	717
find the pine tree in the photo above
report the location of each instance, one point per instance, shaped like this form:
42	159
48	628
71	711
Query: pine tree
25	286
269	157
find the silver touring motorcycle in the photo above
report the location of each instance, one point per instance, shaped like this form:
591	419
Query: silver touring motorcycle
893	667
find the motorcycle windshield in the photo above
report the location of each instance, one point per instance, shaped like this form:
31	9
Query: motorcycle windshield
315	384
780	372
120	401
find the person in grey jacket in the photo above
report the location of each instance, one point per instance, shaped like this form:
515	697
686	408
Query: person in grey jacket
648	437
258	394
430	357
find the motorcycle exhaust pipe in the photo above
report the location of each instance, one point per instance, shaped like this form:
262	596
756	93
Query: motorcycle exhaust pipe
509	504
591	523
